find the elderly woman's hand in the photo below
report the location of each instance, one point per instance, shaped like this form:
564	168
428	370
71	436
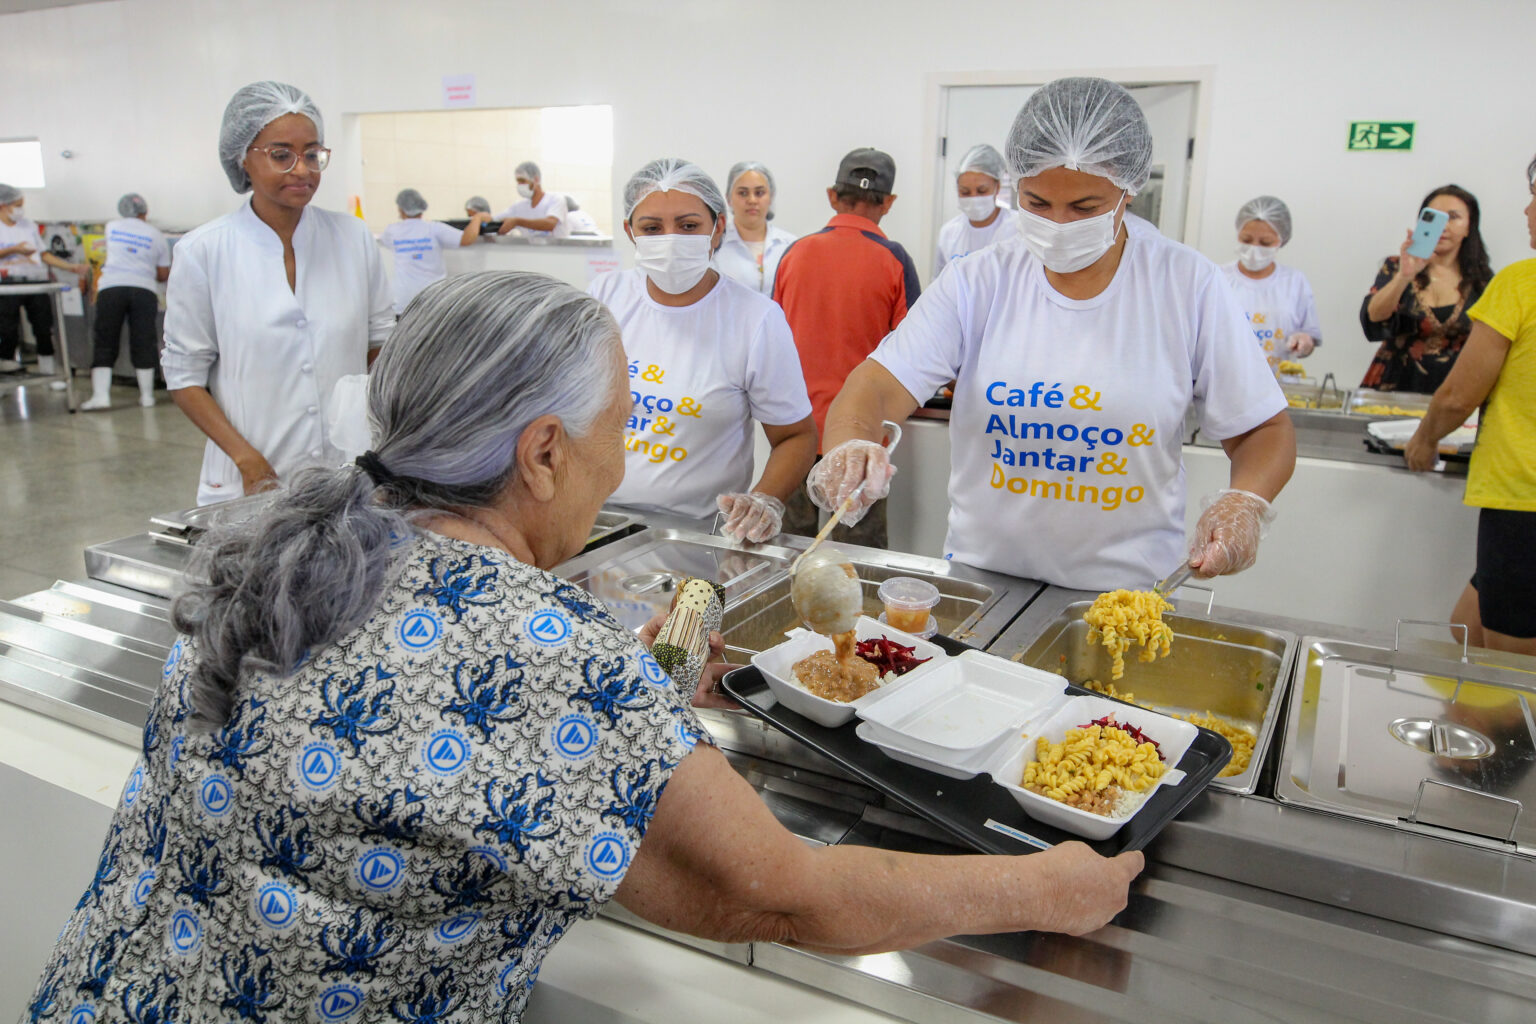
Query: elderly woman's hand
1421	453
706	696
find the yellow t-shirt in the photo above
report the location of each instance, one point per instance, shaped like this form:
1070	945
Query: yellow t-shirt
1503	470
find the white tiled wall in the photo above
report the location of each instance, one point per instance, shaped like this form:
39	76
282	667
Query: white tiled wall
450	155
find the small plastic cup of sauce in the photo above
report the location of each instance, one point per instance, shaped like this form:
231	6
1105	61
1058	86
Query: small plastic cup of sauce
909	605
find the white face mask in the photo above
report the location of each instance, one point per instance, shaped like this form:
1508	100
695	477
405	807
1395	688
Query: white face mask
978	208
1065	248
1256	257
674	263
526	191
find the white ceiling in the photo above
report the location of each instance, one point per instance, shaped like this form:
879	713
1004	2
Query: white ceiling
16	6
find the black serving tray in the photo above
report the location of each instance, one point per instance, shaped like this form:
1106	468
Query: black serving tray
963	807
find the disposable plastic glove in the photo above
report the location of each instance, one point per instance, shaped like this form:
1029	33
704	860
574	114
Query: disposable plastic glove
754	517
1227	536
1301	345
841	472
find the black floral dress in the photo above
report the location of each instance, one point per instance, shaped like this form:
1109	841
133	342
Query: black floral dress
398	830
1419	344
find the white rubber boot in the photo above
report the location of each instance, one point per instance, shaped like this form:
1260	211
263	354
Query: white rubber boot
101	390
146	387
45	366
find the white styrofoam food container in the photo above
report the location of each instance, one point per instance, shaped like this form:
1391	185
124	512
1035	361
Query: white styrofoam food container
961	708
777	666
1173	738
894	747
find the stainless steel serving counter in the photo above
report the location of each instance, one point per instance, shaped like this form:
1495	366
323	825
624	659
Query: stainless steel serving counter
1250	909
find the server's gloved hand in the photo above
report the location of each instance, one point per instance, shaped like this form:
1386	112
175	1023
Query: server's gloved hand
1227	536
1301	345
842	470
754	517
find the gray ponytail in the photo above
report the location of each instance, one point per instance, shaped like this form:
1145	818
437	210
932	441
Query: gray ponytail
473	360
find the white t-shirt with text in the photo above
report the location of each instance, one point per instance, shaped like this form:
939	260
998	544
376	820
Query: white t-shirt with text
22	266
1066	430
418	247
135	248
1277	307
699	375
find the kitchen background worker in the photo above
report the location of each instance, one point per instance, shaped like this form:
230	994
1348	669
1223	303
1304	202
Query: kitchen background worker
138	260
843	289
477	204
707	357
1276	298
753	244
982	219
537	212
418	245
1077	347
269	306
22	259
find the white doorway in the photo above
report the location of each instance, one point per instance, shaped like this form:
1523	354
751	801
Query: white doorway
968	110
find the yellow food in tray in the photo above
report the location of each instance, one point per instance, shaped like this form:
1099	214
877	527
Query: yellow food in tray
1095	768
1241	739
1387	410
1123	617
1291	368
1298	402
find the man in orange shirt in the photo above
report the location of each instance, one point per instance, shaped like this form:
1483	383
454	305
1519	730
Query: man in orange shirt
842	290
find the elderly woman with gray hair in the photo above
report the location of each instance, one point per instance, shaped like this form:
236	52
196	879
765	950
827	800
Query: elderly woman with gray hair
269	306
138	262
394	758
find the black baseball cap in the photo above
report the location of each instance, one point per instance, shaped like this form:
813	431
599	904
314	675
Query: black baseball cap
868	169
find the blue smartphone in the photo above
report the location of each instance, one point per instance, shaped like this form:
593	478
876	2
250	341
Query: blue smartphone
1426	233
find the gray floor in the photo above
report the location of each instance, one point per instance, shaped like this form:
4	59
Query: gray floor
68	481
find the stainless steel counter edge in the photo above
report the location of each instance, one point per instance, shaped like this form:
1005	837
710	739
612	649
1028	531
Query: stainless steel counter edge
1458	889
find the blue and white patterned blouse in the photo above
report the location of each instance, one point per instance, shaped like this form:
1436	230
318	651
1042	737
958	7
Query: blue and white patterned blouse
397	831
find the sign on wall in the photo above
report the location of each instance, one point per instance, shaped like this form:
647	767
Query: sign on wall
1372	135
458	90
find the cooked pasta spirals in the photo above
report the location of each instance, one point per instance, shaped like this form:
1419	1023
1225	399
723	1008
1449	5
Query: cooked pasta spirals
1092	767
1241	739
1122	617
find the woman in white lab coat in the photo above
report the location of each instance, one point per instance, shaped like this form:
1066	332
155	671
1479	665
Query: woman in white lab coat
1076	347
268	306
749	253
982	219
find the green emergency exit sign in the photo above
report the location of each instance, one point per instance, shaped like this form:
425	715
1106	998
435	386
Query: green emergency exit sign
1368	135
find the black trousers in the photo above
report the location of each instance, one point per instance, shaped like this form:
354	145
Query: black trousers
39	311
137	306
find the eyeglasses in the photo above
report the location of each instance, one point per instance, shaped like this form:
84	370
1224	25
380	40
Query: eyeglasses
284	158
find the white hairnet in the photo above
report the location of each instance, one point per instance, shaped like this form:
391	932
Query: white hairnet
528	169
478	203
1083	124
9	194
250	110
132	205
671	173
571	206
410	202
982	159
752	165
1269	210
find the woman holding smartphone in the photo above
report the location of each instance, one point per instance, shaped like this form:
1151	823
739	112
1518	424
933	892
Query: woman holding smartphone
1417	309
